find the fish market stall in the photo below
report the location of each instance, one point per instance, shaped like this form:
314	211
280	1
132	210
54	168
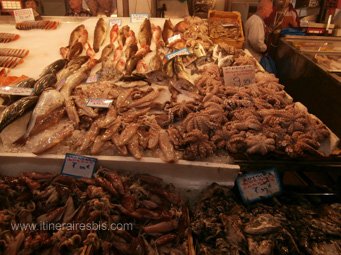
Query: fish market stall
149	101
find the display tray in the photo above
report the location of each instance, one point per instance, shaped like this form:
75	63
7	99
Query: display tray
187	175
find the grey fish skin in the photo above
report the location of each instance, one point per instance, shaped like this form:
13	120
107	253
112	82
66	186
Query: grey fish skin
44	82
145	33
47	103
131	50
75	79
54	67
16	110
80	60
99	34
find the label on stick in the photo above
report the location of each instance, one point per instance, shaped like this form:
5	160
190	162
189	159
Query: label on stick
239	75
138	17
181	52
99	102
259	185
16	91
23	15
78	166
113	21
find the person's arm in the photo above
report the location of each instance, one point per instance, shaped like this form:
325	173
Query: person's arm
256	37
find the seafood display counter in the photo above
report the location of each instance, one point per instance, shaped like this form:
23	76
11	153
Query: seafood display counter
309	67
163	135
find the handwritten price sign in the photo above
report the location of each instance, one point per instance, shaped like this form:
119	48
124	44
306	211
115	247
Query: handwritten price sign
239	75
78	166
23	15
138	17
259	185
113	21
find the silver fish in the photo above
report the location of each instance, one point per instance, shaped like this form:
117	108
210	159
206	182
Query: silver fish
49	101
16	110
75	79
48	142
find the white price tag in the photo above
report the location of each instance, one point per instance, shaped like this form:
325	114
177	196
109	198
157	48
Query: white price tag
99	102
8	90
138	17
258	185
92	78
239	75
78	166
174	38
23	15
181	52
113	21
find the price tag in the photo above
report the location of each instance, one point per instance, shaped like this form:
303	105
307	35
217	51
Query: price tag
92	78
181	52
138	17
17	91
174	38
23	15
239	75
113	21
99	102
78	166
258	185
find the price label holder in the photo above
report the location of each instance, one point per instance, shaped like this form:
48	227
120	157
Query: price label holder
23	15
181	52
92	79
99	102
113	21
255	186
16	91
78	166
239	75
174	38
138	17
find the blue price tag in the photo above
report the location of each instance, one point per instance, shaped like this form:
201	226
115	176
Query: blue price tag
78	166
181	52
259	185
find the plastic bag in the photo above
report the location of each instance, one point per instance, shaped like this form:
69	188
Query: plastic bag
268	64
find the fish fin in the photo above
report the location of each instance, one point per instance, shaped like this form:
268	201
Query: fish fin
21	141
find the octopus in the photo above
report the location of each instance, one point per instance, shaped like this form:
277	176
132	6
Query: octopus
259	144
216	111
197	145
199	120
179	111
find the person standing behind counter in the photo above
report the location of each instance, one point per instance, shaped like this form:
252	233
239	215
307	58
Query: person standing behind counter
255	29
76	9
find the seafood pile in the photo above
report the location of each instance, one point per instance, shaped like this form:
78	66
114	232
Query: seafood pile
223	225
172	109
8	37
149	215
225	25
10	58
39	24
